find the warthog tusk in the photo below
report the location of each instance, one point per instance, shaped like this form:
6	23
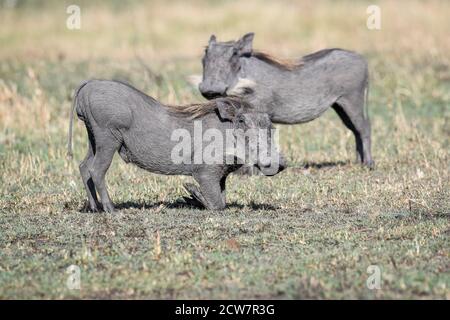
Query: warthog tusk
243	86
194	79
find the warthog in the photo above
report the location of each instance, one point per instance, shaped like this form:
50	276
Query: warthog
292	91
121	118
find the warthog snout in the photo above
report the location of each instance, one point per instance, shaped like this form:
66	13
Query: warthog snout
211	91
270	167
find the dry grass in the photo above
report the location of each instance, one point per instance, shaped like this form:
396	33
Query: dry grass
309	232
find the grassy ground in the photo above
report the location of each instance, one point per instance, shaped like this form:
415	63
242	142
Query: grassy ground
310	232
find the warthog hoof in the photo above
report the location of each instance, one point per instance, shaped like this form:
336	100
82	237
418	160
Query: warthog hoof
197	198
88	208
109	207
193	202
370	164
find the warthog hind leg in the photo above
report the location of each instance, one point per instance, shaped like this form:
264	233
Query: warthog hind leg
93	203
351	111
106	146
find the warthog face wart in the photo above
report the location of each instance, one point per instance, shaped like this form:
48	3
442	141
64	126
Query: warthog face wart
256	139
249	139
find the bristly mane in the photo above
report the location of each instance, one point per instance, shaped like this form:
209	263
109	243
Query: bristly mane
197	110
283	64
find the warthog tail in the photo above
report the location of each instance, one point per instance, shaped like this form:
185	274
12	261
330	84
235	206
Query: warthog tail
74	104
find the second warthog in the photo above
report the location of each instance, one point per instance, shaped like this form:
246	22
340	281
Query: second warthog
292	91
147	133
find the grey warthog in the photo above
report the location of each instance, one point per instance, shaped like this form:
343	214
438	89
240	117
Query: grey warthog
292	91
121	118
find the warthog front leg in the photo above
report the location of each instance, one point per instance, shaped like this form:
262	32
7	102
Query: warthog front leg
197	198
210	192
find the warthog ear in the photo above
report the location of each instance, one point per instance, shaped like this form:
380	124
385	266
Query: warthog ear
227	109
245	44
212	39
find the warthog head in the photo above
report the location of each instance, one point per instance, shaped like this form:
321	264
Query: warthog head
222	66
255	136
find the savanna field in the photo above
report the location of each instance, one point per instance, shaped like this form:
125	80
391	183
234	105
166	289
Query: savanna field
310	232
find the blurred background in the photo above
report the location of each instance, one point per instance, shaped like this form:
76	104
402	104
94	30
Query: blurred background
156	44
